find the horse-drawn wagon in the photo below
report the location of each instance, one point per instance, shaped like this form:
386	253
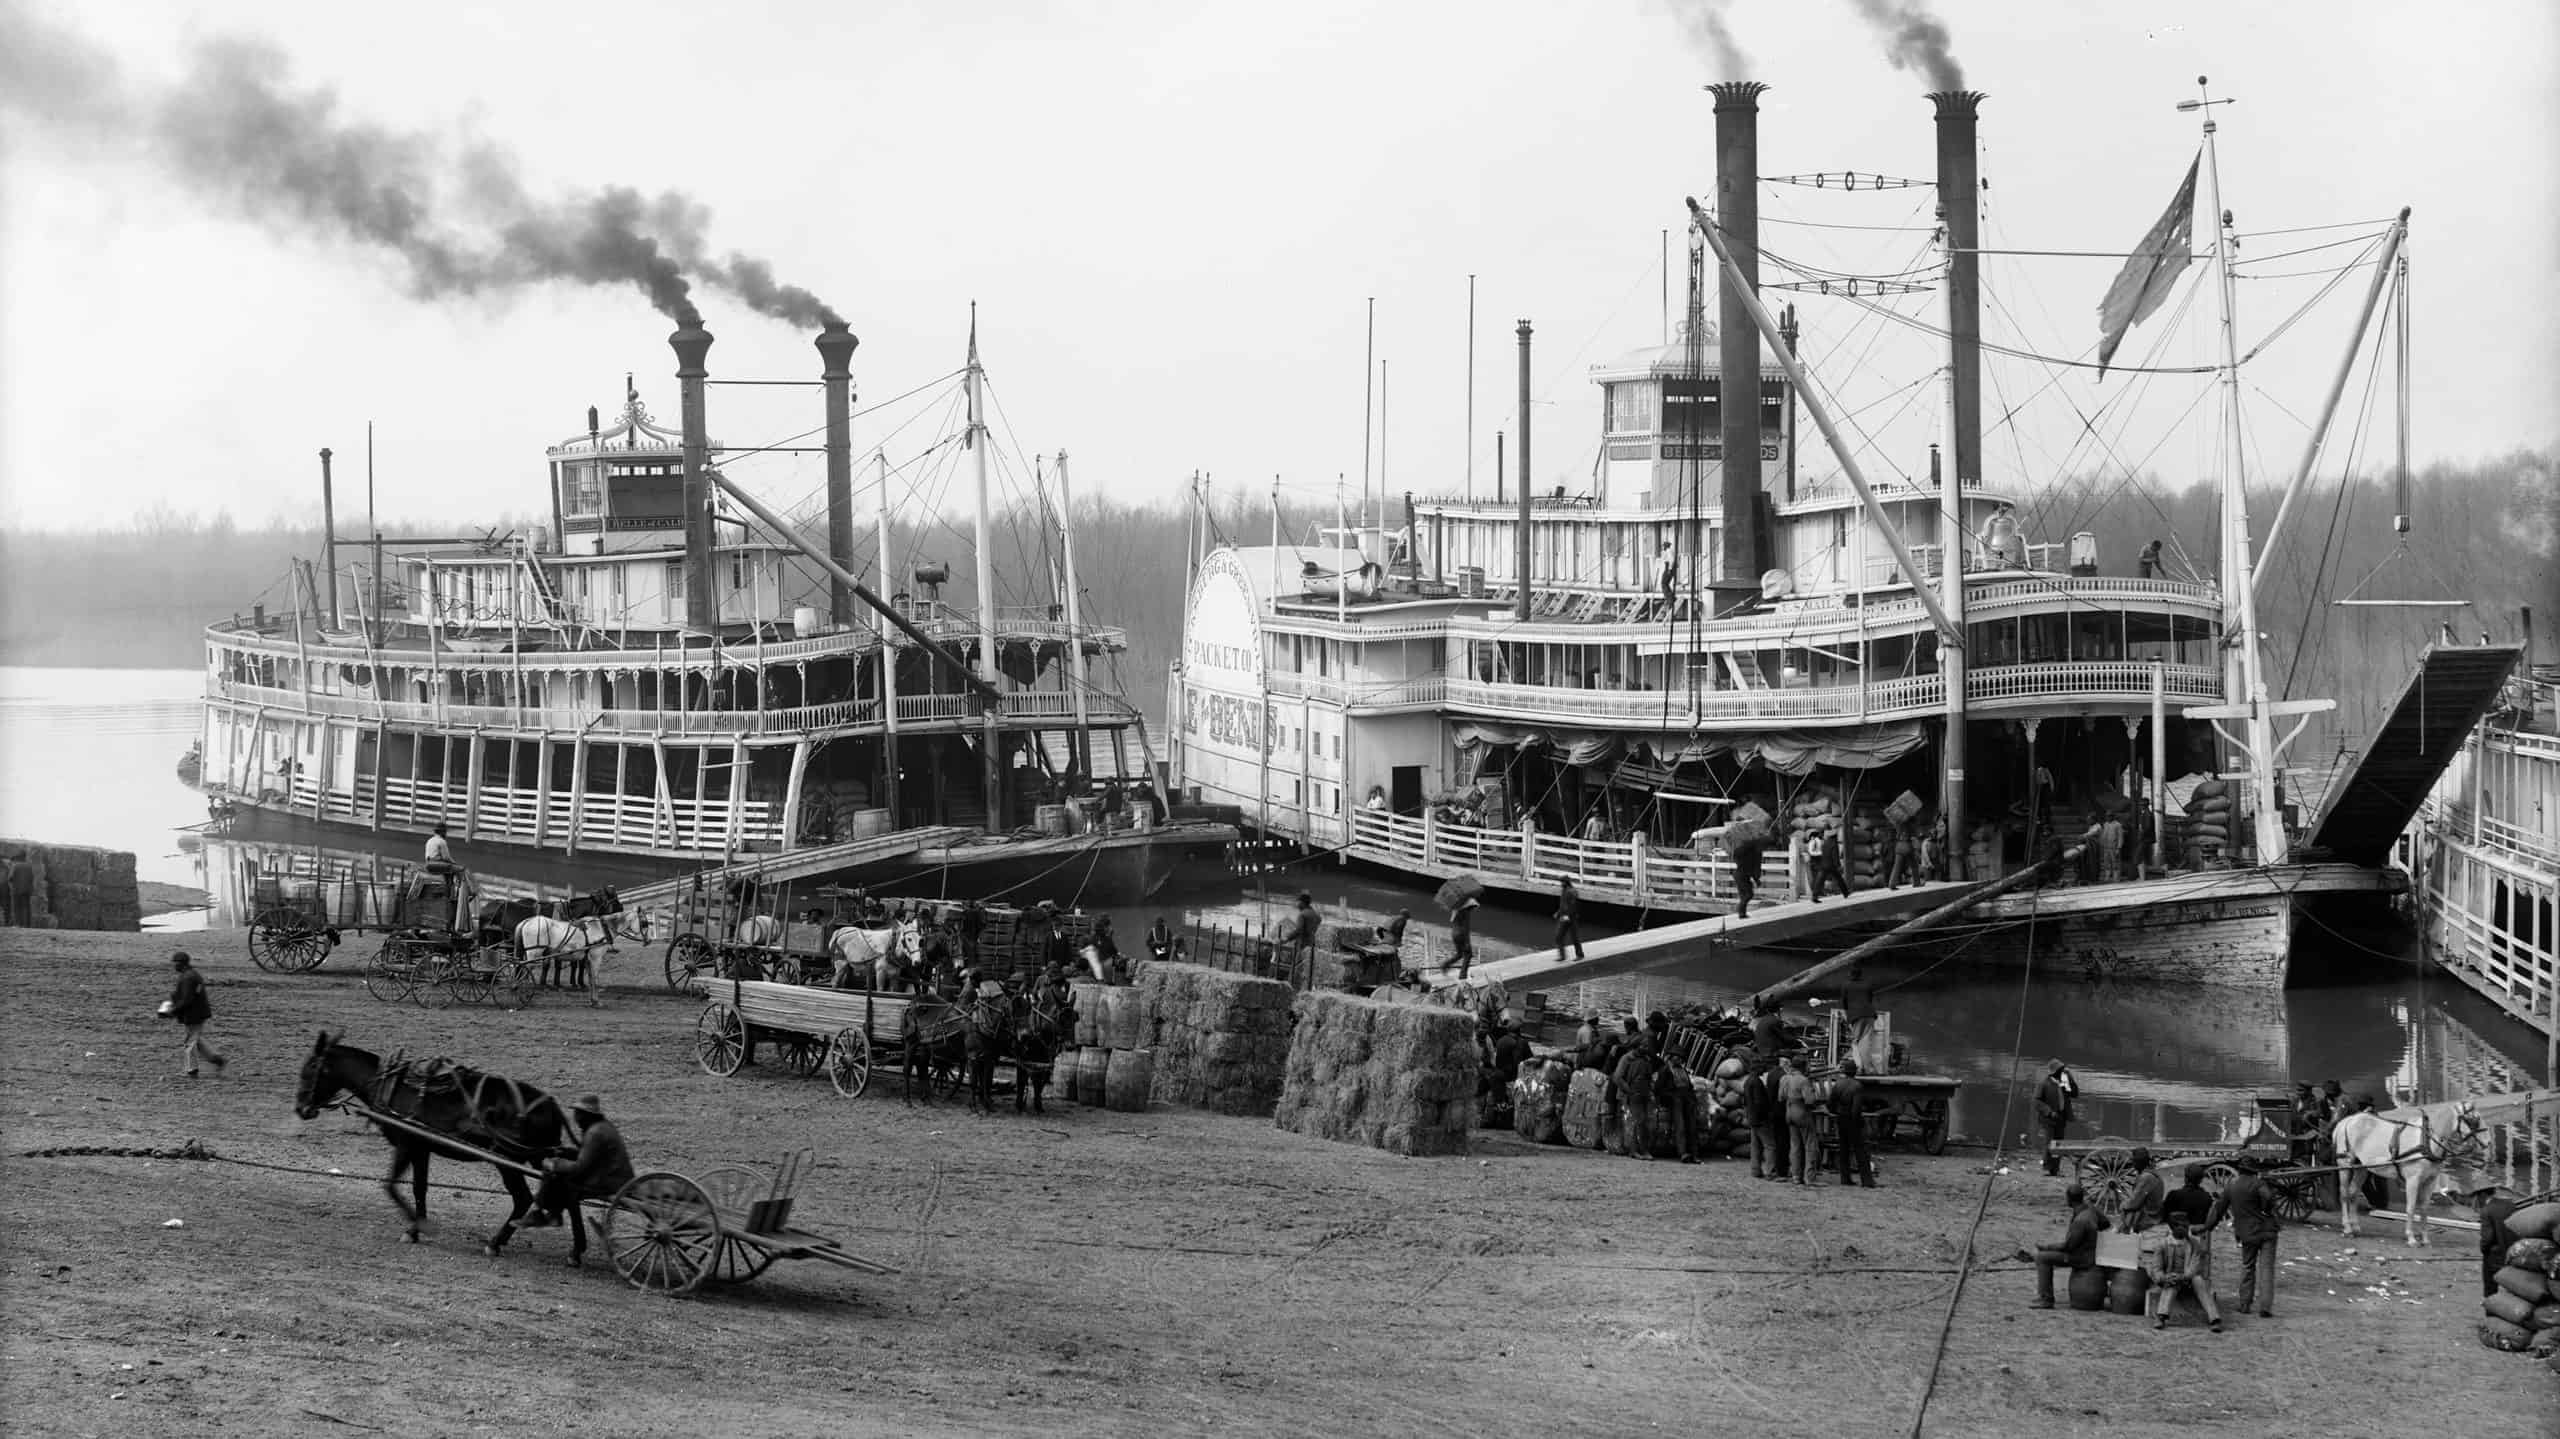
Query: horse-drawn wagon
842	1034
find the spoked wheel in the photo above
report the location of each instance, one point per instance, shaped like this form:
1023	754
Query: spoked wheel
688	959
801	1053
1933	1129
848	1063
512	985
469	983
719	1040
662	1233
733	1191
2109	1176
2295	1195
392	973
434	989
2218	1174
276	939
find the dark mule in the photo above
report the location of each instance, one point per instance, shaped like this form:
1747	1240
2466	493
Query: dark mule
487	1111
1040	1030
933	1037
986	1035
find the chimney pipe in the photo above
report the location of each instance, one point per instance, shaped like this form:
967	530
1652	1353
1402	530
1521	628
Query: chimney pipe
835	350
692	343
329	531
1520	609
1737	218
1959	198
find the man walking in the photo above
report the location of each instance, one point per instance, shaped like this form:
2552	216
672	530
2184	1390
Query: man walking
1568	921
1746	874
1462	938
2110	850
1906	858
1305	927
1849	1123
2075	1251
190	1006
1822	862
2254	1226
2056	1098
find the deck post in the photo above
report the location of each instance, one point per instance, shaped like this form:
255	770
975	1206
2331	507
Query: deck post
577	789
791	797
542	792
738	772
475	768
2159	767
1430	834
1528	849
1635	860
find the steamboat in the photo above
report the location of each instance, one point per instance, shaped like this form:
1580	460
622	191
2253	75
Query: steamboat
673	676
1594	686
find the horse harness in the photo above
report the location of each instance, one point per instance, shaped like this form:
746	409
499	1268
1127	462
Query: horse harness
2435	1149
404	1088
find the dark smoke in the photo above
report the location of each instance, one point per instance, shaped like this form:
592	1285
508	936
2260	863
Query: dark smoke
235	129
1703	21
1915	40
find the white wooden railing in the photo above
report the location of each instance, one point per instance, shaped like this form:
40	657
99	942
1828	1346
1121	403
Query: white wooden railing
1631	871
842	714
513	813
1908	697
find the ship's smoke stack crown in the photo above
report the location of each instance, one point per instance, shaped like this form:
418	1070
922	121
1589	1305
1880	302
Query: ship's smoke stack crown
692	344
1737	217
1959	200
836	344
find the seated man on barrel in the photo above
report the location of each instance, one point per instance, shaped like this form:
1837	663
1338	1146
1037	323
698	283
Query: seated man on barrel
2077	1250
597	1171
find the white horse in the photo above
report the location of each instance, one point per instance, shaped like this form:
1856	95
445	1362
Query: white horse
571	943
2418	1144
892	956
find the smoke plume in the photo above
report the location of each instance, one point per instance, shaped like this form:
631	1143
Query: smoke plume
1704	23
458	219
1915	40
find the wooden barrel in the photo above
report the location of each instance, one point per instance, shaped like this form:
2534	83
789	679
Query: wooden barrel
2125	1290
1088	1013
2089	1289
1131	1073
1051	819
1126	1014
1093	1062
868	823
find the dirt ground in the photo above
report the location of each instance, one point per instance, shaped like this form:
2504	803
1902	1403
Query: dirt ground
1075	1272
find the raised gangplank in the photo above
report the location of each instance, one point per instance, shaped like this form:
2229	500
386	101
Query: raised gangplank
2452	688
813	862
1769	924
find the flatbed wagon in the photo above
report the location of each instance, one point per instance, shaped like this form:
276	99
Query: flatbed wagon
2281	1159
843	1033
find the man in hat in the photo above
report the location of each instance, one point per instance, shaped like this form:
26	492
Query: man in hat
2076	1250
1849	1126
598	1170
1462	937
1568	921
2142	1206
439	850
1306	927
2177	1263
2056	1098
2254	1225
189	1007
2493	1209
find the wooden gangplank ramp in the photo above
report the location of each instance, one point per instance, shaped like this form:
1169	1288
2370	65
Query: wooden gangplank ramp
813	862
2451	689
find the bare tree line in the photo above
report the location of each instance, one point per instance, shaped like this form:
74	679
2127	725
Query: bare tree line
2485	532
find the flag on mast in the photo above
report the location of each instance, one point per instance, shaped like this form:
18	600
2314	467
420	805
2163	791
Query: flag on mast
2150	271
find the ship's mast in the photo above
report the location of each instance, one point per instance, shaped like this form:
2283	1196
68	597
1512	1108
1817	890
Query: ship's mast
992	766
1075	624
2244	683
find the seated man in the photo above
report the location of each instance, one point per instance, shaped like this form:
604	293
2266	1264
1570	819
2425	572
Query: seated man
598	1171
2178	1264
2075	1251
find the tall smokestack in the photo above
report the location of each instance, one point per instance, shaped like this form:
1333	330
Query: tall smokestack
1958	189
1737	216
692	343
835	350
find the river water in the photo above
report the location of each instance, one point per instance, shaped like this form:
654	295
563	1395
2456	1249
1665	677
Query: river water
88	756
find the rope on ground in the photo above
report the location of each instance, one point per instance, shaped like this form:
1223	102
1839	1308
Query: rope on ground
1982	1205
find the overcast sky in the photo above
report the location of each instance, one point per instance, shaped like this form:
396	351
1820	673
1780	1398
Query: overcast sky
1172	217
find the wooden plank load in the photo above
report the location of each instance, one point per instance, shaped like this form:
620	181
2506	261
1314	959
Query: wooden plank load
1221	1040
1397	1077
804	1009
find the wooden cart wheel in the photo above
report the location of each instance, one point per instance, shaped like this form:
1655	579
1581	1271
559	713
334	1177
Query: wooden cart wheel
2218	1174
469	982
733	1191
434	987
688	956
391	973
2295	1195
848	1062
273	936
662	1233
801	1053
307	948
2109	1176
720	1040
1933	1128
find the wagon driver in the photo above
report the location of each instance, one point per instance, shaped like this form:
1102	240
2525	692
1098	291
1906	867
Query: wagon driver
597	1171
439	851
